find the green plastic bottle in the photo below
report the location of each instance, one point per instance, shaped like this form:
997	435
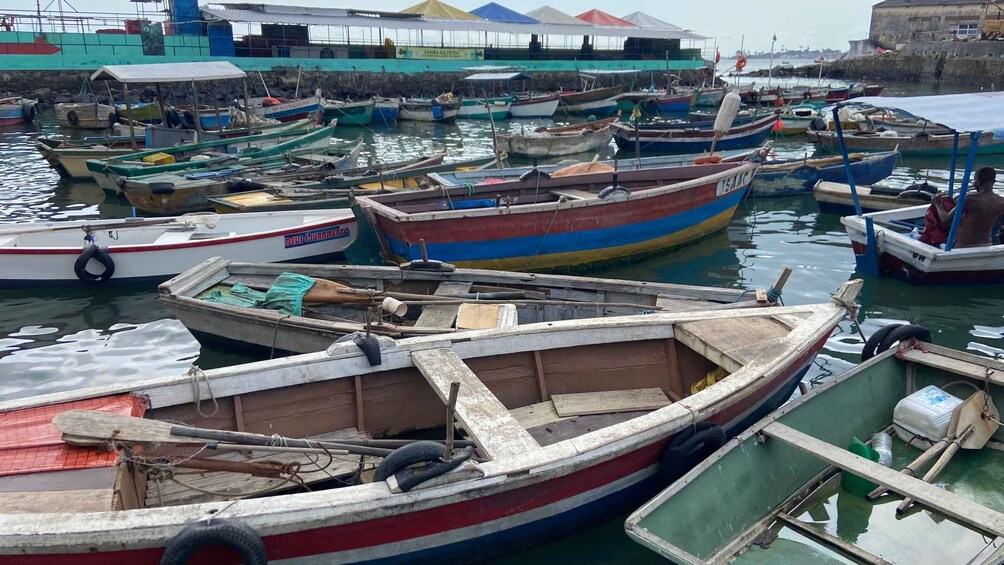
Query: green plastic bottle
853	483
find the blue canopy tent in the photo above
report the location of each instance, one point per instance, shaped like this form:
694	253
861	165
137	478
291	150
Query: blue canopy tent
498	13
970	113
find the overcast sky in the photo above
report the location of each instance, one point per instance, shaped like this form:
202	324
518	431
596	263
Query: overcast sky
815	23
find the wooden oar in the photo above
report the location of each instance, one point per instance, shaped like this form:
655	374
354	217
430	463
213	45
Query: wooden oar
124	223
970	428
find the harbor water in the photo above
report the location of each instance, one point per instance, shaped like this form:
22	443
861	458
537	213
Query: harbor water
64	339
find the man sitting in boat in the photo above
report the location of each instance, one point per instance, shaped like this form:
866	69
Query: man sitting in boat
982	211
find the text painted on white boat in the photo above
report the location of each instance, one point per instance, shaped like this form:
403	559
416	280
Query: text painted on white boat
734	182
315	236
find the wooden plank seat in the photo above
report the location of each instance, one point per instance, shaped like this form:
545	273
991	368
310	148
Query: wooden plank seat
730	342
492	428
948	503
573	194
236	485
442	315
472	316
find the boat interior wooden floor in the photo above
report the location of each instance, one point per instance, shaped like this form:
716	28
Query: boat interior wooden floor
511	402
533	189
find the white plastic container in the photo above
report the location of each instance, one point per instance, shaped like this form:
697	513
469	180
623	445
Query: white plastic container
923	417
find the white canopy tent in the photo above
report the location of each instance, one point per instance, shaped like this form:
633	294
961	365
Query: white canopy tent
160	73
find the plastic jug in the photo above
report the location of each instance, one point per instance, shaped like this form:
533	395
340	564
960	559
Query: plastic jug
853	483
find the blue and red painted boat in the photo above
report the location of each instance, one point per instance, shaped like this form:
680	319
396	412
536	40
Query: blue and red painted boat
672	138
542	223
788	177
16	110
537	475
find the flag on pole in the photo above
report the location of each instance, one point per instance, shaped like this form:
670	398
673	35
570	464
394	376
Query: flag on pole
718	56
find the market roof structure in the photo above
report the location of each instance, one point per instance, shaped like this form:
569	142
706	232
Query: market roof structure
436	10
497	13
601	18
548	15
645	21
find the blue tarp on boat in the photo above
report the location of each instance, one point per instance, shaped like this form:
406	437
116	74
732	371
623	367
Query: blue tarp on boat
497	13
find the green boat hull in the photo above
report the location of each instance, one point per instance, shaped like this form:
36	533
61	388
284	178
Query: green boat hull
718	509
361	115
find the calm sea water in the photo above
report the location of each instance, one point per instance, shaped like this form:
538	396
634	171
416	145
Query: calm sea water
68	339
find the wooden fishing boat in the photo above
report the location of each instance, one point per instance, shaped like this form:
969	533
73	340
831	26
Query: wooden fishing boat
491	176
595	102
16	110
138	249
180	192
85	115
672	138
804	95
902	257
906	125
707	97
349	113
145	112
835	197
915	145
336	191
69	158
788	177
526	469
284	109
558	141
211	118
443	108
538	223
385	111
533	105
804	498
798	119
480	108
438	301
874	89
834	95
204	155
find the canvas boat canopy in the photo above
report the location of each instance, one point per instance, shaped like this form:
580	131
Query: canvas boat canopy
612	71
974	111
485	77
169	72
497	13
493	69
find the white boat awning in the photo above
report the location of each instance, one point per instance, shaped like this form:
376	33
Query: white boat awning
169	72
974	111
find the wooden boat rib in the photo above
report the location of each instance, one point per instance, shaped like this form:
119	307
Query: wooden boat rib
565	473
547	223
145	249
905	258
791	509
200	298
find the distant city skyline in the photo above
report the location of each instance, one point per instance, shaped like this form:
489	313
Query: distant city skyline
798	23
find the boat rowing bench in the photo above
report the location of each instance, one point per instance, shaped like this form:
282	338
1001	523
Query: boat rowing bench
948	503
490	424
442	315
573	194
731	342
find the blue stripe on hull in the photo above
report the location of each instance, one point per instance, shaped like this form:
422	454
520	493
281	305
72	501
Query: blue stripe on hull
577	241
697	146
594	512
294	112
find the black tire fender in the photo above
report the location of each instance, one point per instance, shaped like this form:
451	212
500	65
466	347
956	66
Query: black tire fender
113	119
610	191
29	112
160	188
817	124
171	118
100	255
72	117
691	446
418	452
190	118
231	534
868	351
904	333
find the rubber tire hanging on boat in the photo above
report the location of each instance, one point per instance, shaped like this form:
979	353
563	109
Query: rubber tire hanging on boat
868	351
72	117
100	255
171	118
28	112
904	333
691	446
411	454
231	534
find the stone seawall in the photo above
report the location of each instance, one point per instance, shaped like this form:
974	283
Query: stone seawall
50	87
980	72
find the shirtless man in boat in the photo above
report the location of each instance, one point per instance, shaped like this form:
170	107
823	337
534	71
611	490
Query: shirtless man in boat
982	210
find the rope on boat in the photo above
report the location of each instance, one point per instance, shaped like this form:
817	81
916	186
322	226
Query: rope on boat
852	313
195	373
275	335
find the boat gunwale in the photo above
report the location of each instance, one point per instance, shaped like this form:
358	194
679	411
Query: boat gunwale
396	215
108	531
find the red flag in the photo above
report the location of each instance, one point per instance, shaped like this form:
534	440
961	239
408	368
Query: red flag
718	56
